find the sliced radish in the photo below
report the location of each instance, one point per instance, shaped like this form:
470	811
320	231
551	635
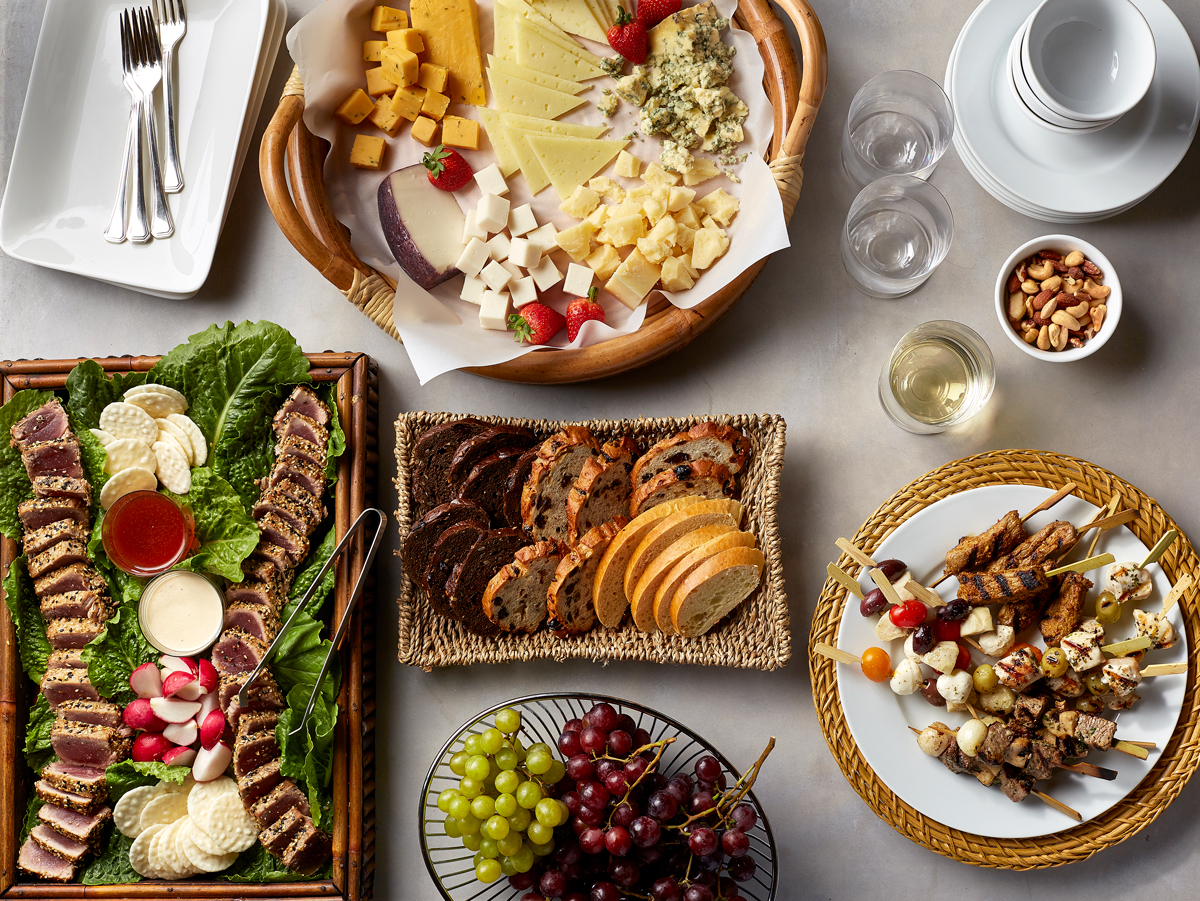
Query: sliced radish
140	715
174	710
150	746
212	729
183	734
177	664
211	762
207	675
181	685
180	757
146	681
208	703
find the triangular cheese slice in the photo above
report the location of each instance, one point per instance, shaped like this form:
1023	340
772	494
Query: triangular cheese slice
524	11
572	16
610	8
515	96
538	52
493	123
551	127
599	11
504	37
572	161
516	70
531	167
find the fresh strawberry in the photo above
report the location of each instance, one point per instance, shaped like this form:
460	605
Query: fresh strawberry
651	12
447	169
628	37
536	323
585	309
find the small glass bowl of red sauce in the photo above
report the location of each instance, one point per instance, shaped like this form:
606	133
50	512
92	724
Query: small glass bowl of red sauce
146	533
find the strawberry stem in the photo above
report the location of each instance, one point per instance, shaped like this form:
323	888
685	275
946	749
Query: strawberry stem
522	331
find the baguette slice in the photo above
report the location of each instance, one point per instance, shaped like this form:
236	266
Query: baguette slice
515	598
641	599
704	441
714	588
608	591
670	529
602	490
686	566
569	598
560	459
703	477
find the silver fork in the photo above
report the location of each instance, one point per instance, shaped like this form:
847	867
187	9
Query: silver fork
172	26
147	73
139	227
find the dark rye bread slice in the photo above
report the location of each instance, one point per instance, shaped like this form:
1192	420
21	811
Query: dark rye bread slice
449	551
559	461
431	458
515	598
471	577
425	532
484	485
704	441
514	485
603	488
705	479
569	606
485	444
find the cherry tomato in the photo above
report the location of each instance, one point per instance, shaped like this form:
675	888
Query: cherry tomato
876	664
1036	651
964	657
908	615
947	631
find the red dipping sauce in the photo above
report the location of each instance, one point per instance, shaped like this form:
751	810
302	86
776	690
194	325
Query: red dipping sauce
146	533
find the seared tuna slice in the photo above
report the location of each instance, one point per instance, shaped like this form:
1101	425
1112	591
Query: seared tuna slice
46	423
68	659
279	533
300	426
276	837
311	503
253	751
301	518
60	486
82	827
250	723
292	446
264	594
67	684
88	745
309	850
56	843
59	457
73	632
41	864
79	780
96	713
73	800
75	604
62	554
258	782
277	557
309	477
41	511
264	694
261	569
46	537
237	651
305	401
76	577
282	798
260	620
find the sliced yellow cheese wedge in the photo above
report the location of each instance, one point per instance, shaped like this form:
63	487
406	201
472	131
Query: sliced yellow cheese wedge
504	35
516	70
538	20
515	96
571	161
552	127
450	30
493	124
537	51
572	16
531	167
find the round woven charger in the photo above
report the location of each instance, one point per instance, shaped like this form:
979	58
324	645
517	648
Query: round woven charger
1176	762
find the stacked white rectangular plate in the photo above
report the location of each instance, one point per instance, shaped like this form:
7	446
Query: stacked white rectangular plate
1068	178
67	160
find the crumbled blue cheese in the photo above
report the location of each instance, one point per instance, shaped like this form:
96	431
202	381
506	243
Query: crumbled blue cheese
608	104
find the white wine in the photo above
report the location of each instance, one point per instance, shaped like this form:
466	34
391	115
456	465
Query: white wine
931	380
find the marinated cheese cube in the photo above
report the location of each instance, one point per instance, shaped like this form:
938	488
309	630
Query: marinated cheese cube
493	310
679	198
523	291
708	246
435	104
628	165
384	119
633	280
498	247
356	107
433	77
656	175
623	231
700	170
544	237
373	51
492	212
496	276
675	276
522	253
545	274
384	18
377	82
577	240
472	289
400	66
491	181
580	203
579	280
473	257
459	132
604	261
660	241
408	38
472	229
367	152
425	131
721	206
406	102
520	218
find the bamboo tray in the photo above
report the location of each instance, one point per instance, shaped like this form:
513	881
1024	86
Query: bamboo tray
1178	760
757	635
353	781
291	163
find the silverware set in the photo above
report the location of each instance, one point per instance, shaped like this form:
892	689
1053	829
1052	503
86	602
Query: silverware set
148	42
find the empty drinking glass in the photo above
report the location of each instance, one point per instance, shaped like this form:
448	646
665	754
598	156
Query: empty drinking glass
939	374
900	123
898	230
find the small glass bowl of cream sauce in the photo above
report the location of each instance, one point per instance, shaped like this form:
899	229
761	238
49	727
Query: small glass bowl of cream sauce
181	612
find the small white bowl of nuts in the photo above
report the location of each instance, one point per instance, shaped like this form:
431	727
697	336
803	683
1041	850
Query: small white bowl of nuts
1058	298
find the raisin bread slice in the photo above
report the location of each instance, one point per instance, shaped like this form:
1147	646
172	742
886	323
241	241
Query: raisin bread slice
487	480
425	532
451	547
515	485
485	444
705	441
470	578
711	480
569	603
602	490
515	599
559	462
431	457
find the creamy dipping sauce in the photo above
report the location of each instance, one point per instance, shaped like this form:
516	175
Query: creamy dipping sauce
181	613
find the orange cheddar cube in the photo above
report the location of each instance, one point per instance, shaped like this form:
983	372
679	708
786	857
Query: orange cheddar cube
407	101
384	119
435	104
433	77
401	67
377	82
408	38
355	108
425	130
367	152
372	50
459	132
384	18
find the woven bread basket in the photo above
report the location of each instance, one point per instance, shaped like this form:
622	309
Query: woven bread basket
1176	762
291	161
757	635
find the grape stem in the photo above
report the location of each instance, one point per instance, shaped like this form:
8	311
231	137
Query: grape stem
662	746
726	801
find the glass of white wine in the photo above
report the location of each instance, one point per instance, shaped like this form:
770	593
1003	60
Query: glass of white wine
940	374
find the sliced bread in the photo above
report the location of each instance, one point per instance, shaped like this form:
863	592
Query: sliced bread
431	456
569	597
515	598
671	528
608	590
425	532
514	485
686	566
714	588
602	490
704	441
470	578
448	551
484	485
559	461
484	444
707	479
641	599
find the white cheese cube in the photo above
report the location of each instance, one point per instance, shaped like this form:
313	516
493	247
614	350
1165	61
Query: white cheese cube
544	238
523	253
513	268
521	220
545	274
472	289
491	181
492	213
474	255
579	279
493	311
472	229
498	247
523	291
496	276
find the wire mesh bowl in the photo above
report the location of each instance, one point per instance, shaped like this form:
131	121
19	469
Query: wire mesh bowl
542	718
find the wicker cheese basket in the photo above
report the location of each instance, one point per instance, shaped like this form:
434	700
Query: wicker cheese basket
291	163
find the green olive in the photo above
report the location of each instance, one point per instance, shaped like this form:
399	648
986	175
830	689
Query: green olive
1095	683
1054	662
1108	608
985	678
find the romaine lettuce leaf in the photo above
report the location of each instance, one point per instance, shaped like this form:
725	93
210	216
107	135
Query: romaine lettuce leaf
26	616
336	445
224	529
320	552
128	774
37	734
256	865
31	816
116	652
14	481
111	864
90	389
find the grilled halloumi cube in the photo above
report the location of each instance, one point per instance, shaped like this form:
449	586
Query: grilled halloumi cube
1018	670
1121	702
1068	685
1128	583
1122	675
1083	650
1156	626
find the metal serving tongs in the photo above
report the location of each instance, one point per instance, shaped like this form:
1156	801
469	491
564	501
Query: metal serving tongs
341	629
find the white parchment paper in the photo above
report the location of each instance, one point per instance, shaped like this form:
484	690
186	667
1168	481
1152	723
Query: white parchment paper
442	332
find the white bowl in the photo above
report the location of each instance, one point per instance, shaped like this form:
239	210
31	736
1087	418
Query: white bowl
1062	244
1089	59
1033	107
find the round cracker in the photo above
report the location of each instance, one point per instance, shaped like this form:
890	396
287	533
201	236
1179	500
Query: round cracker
166	808
181	828
201	860
168	438
162	853
139	852
105	438
123	420
199	445
204	793
163	389
203	840
133	479
124	453
127	814
228	824
185	443
156	403
173	470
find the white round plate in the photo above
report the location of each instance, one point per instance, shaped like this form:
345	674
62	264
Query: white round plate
879	719
1093	174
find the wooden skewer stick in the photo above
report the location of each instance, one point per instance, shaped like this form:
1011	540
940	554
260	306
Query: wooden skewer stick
1148	745
1090	769
1177	591
972	642
1165	669
844	579
1111	522
1050	501
1159	549
1128	646
1083	565
854	553
828	650
1113	503
1057	805
919	591
889	590
1132	749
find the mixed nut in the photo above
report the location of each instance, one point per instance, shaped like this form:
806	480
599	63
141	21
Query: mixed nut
1056	301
